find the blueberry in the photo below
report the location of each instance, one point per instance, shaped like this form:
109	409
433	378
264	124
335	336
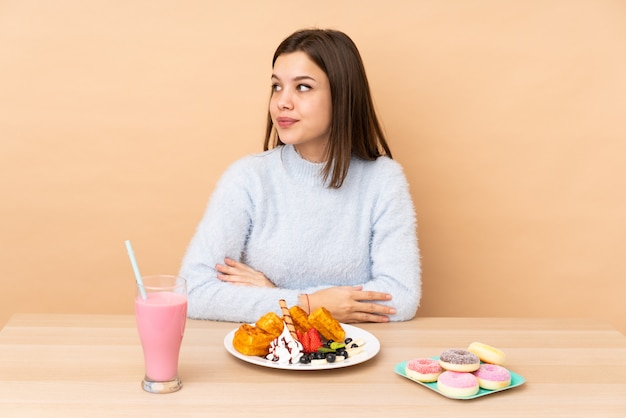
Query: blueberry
305	359
348	340
331	357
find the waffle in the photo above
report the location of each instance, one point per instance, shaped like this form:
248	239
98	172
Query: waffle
300	318
329	327
252	341
271	323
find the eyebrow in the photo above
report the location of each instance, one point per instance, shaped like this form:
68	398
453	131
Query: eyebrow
298	78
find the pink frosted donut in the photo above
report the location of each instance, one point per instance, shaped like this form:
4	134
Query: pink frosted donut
457	384
492	376
459	360
423	369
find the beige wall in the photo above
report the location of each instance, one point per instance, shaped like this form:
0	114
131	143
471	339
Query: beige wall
117	117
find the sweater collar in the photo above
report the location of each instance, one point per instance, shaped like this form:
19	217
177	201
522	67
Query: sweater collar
299	169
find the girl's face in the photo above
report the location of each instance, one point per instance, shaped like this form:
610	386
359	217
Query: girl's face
300	105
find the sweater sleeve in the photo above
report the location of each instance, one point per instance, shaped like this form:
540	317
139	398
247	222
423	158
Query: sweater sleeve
222	233
396	267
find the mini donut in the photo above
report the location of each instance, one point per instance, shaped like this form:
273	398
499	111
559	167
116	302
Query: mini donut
457	384
487	353
492	376
459	360
423	369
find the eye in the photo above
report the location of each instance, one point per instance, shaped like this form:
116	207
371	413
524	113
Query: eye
303	87
276	87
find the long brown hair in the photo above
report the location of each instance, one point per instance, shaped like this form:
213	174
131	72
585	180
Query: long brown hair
354	128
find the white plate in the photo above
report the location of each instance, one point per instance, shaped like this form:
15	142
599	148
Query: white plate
370	349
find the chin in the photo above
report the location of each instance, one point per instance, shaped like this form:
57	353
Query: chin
289	140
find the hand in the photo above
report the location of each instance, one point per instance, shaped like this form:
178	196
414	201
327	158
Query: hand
349	304
240	274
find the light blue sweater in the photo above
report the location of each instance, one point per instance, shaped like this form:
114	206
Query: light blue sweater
272	212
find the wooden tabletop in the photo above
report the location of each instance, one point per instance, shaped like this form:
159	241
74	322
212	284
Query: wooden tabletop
92	365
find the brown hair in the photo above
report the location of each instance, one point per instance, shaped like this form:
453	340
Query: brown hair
354	128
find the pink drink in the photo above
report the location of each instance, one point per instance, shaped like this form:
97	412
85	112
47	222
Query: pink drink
161	321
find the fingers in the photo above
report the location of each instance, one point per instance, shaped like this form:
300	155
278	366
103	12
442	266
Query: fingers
351	304
239	273
233	267
371	295
360	316
375	308
231	278
232	272
367	310
367	317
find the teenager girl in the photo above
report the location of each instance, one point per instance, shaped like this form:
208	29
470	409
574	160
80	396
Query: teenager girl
323	217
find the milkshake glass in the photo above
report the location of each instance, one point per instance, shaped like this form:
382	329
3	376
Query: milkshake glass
161	318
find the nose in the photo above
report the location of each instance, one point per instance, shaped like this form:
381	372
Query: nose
284	101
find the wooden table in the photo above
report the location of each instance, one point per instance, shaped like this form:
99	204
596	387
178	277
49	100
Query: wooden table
91	366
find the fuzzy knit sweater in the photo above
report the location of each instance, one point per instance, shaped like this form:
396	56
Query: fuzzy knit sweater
273	212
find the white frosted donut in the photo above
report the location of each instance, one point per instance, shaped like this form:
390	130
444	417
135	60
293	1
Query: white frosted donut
423	369
492	376
487	353
459	360
457	384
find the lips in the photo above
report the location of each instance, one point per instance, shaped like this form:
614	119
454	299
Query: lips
285	122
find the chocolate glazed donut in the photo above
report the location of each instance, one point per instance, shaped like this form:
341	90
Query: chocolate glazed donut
459	360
